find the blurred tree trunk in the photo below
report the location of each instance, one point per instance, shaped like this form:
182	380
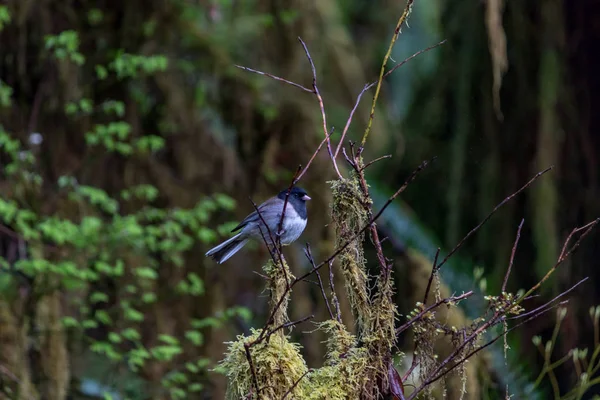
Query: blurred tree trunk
275	128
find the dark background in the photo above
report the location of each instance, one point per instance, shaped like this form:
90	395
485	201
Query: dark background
233	132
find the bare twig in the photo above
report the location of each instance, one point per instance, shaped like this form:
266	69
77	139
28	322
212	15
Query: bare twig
309	255
371	85
588	226
549	304
325	139
374	161
276	78
563	255
336	303
254	378
451	299
434	270
287	325
512	255
503	202
291	389
477	350
403	17
321	106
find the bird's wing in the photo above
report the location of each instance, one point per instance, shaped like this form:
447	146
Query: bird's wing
266	210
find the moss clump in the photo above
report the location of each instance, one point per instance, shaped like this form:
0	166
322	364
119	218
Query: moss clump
277	286
346	368
349	216
277	363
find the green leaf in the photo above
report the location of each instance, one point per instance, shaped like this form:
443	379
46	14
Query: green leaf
193	368
131	334
133	315
4	16
69	322
195	387
102	316
101	72
195	337
146	273
168	339
165	353
149	297
99	297
225	201
114	337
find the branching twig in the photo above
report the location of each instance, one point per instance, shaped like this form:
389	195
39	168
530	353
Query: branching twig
477	350
563	255
371	85
451	299
374	161
549	304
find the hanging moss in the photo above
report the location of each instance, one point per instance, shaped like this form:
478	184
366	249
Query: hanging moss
349	216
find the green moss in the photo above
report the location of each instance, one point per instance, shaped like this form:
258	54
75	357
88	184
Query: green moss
349	217
277	362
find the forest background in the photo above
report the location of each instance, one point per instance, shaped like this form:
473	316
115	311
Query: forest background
130	143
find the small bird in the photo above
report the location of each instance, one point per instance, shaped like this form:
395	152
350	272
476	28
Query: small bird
252	227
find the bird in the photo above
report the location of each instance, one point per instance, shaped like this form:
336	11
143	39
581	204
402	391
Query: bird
253	227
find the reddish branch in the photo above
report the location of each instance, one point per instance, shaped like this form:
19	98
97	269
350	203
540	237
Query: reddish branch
512	256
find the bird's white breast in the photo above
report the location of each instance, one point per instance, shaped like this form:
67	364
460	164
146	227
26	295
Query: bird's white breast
293	225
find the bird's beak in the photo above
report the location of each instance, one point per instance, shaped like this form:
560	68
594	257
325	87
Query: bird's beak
306	197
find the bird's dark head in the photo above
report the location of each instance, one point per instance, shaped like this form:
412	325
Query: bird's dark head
296	193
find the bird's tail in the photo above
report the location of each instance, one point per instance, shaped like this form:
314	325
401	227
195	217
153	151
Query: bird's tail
228	248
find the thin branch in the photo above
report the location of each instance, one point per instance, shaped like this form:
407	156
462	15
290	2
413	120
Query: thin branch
512	255
403	17
254	378
374	161
336	303
434	270
451	299
325	139
288	324
503	202
321	106
563	255
549	303
309	255
290	390
369	86
574	231
276	78
477	350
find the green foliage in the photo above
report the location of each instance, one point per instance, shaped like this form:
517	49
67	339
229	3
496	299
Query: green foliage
107	251
65	46
4	17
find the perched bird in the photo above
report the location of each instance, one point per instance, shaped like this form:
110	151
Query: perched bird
294	222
